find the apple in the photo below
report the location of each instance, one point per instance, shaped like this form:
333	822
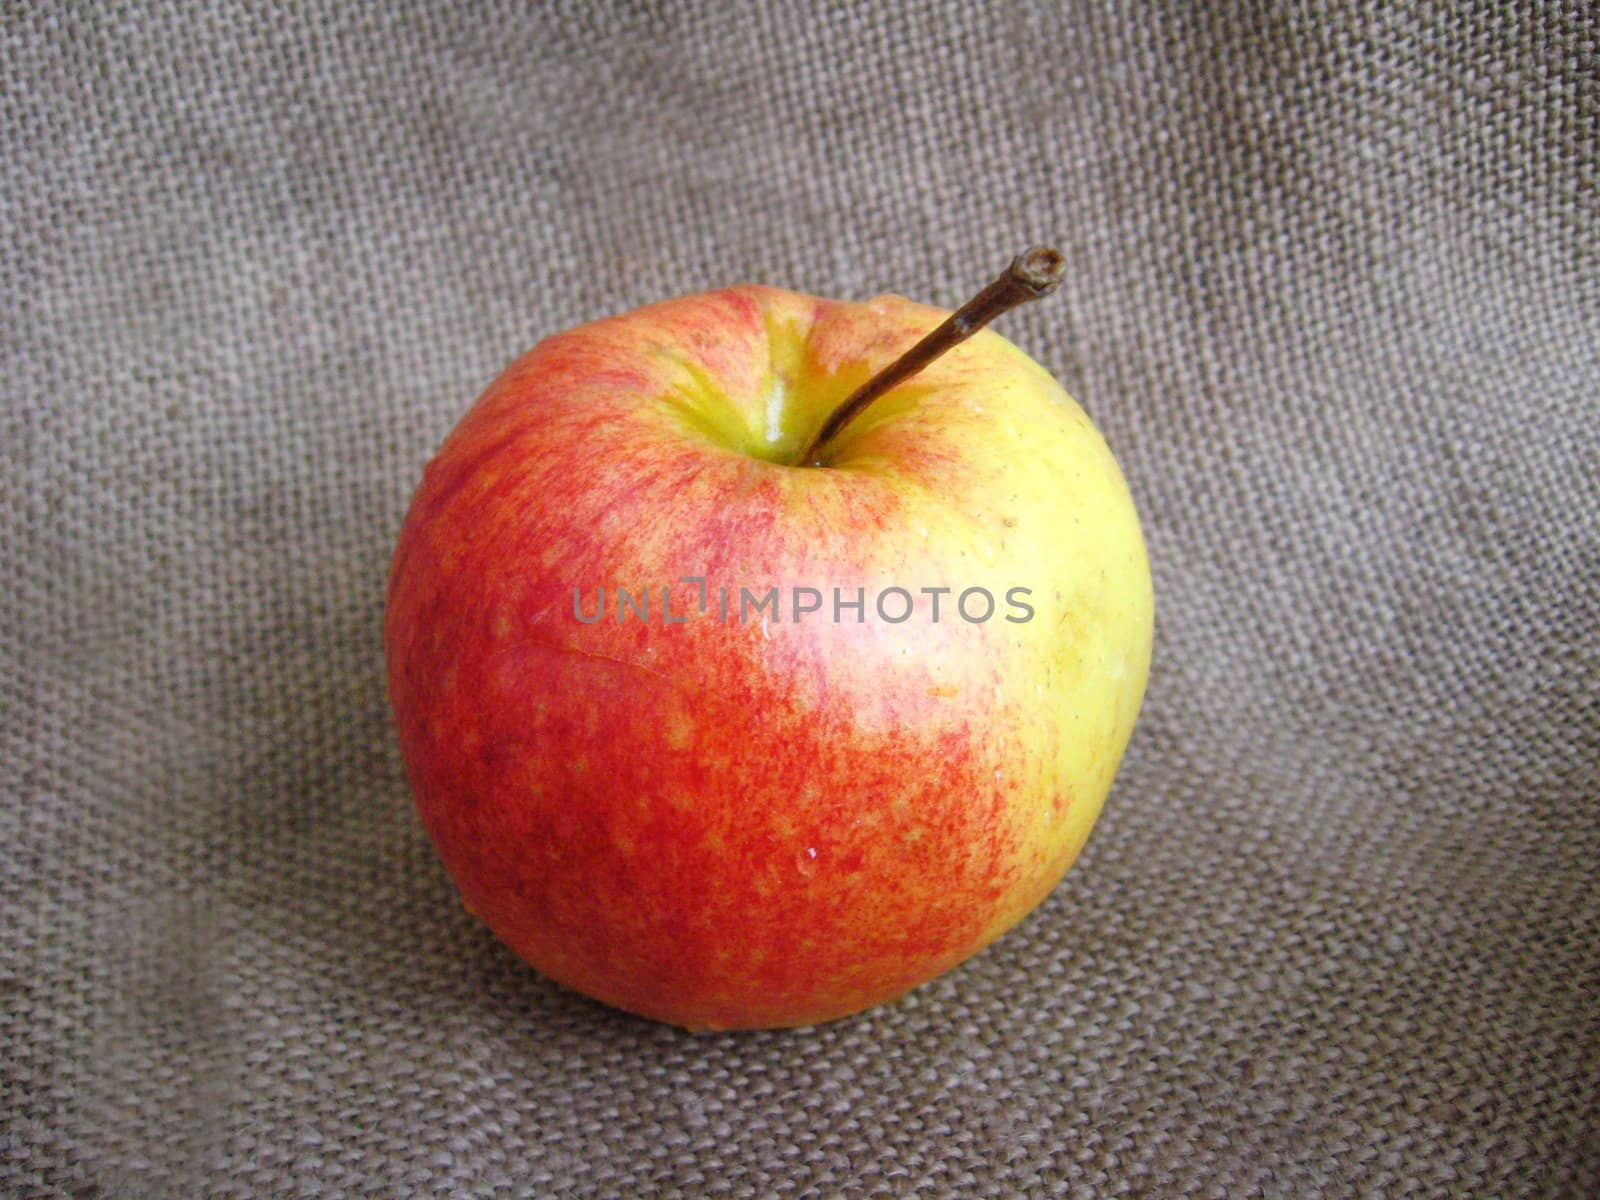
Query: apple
733	715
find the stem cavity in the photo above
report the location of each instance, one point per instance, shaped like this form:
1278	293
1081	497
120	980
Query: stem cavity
1034	273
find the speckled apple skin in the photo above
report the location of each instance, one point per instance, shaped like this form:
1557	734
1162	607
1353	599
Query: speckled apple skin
731	825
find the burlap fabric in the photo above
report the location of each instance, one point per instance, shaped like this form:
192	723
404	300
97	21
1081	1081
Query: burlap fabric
1334	301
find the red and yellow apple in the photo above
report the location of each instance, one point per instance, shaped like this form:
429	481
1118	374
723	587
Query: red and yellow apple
670	789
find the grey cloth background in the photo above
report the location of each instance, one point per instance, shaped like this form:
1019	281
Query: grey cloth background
1334	301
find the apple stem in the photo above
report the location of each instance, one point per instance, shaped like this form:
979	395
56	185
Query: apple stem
1032	274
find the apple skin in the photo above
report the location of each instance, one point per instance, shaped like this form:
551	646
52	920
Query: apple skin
726	824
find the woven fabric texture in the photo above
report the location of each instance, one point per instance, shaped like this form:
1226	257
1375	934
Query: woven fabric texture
1334	301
